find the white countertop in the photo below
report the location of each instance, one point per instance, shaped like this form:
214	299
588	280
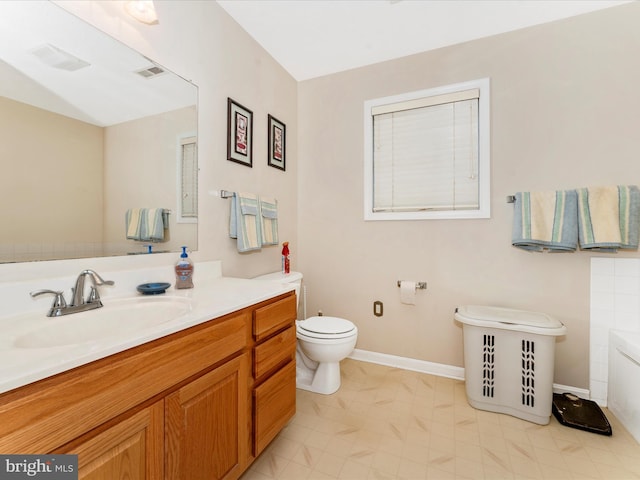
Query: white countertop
210	298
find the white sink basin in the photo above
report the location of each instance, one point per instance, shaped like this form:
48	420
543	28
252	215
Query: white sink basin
117	317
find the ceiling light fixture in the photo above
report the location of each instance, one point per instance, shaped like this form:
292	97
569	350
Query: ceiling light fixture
142	10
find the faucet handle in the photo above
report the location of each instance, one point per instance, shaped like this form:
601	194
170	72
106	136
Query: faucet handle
94	296
58	302
97	279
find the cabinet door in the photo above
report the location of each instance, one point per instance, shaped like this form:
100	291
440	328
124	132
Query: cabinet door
274	404
131	449
206	425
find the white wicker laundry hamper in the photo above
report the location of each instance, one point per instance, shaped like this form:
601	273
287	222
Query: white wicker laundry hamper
509	360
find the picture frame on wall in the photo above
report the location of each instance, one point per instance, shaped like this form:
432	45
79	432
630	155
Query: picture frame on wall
277	143
239	133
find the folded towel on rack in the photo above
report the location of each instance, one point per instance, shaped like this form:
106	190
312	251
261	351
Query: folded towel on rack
132	222
145	224
155	223
244	221
608	217
269	213
545	220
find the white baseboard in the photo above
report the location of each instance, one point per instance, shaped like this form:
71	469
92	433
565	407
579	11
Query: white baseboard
406	363
439	369
579	392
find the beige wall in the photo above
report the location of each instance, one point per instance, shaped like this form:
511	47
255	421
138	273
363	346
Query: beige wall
565	114
200	42
63	165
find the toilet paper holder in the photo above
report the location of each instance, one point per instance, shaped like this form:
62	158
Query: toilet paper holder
419	285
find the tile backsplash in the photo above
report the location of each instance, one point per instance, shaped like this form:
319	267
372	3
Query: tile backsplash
615	304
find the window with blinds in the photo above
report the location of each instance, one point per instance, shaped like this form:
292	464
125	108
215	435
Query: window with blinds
187	180
427	154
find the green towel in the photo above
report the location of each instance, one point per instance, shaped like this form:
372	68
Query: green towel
609	217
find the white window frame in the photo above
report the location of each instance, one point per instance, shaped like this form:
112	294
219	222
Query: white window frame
484	210
183	139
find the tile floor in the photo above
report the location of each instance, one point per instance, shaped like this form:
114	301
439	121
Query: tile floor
388	423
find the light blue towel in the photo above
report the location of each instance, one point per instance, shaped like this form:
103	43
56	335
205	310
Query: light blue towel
269	213
132	224
155	224
145	224
546	221
244	222
609	217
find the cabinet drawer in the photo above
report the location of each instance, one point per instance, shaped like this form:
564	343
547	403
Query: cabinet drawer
274	403
274	352
269	319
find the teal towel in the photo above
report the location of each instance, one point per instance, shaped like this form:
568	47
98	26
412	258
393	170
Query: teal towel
269	213
545	221
145	224
132	224
155	223
244	222
609	217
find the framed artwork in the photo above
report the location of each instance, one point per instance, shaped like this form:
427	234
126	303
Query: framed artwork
239	133
277	143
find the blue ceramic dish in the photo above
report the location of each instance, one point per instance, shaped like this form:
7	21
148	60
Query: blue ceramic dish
153	288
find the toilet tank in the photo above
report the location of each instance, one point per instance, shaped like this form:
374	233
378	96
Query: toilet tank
279	277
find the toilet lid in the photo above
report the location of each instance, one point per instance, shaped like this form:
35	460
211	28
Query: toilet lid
326	325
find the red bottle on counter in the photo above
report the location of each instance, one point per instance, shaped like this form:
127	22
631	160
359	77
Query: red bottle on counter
286	267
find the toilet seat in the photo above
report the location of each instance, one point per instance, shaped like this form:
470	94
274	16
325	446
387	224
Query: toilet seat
326	327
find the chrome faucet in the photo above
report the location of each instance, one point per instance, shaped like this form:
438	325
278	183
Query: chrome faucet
78	290
78	302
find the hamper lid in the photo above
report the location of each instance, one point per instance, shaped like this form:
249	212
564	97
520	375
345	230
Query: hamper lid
510	319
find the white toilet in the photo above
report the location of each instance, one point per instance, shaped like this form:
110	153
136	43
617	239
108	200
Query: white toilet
322	343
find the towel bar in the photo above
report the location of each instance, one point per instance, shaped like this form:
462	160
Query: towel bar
419	285
226	194
511	199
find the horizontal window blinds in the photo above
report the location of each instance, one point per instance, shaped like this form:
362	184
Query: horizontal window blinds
189	179
430	101
425	154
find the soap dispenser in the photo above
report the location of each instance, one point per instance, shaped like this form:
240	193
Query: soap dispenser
184	271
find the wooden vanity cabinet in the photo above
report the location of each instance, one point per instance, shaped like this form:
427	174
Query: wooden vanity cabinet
197	404
274	370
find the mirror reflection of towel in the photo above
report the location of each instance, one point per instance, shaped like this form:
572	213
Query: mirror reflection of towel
145	224
132	219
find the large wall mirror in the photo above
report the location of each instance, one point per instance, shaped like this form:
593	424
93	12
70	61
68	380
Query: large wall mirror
89	130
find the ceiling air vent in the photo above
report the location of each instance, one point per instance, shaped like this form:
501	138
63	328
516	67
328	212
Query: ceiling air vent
151	72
